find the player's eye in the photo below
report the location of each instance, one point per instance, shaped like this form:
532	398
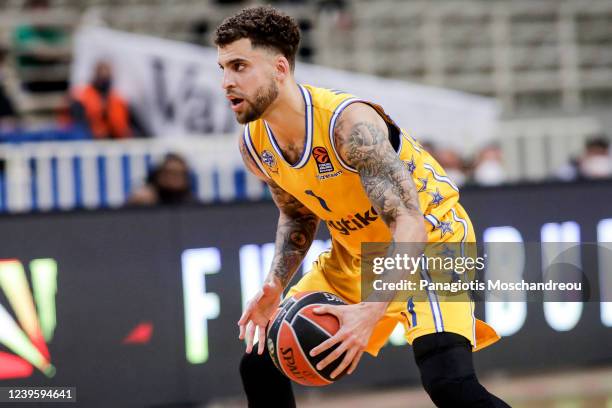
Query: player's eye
239	66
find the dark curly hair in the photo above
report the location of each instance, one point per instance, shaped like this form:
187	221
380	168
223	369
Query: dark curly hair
265	26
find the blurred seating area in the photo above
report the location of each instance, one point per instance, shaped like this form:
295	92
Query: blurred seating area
36	45
533	56
36	65
537	56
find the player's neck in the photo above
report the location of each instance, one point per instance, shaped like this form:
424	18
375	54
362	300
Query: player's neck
286	115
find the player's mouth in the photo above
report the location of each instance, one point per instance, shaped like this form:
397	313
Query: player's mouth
236	103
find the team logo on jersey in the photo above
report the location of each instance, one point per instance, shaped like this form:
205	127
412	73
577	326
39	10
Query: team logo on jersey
269	160
321	200
354	222
321	156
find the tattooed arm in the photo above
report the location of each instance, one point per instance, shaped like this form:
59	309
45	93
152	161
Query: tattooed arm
297	226
296	229
362	140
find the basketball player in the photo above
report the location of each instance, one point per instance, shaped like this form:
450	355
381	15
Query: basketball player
327	155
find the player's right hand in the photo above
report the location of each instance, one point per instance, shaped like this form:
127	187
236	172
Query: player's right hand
257	314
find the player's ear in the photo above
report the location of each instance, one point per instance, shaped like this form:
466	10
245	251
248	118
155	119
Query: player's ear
283	68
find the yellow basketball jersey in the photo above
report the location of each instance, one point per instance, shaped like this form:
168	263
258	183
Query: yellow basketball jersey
332	189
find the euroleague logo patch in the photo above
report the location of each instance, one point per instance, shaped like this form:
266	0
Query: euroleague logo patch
321	156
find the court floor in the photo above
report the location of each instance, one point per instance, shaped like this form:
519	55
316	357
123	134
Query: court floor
576	389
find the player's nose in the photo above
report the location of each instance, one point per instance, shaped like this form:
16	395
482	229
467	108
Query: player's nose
228	80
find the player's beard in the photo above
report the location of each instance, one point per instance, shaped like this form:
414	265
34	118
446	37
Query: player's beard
264	97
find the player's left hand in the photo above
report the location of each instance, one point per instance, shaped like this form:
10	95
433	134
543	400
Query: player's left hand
356	325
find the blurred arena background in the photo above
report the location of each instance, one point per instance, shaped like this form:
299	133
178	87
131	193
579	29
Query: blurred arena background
135	302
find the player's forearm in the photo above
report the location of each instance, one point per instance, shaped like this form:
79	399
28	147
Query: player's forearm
297	226
363	141
410	228
409	239
294	235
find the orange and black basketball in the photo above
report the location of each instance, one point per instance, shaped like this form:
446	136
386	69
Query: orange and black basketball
295	330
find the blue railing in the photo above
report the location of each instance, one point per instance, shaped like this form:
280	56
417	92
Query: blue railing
70	174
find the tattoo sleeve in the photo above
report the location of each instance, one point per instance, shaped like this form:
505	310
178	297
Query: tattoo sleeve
387	182
362	141
297	227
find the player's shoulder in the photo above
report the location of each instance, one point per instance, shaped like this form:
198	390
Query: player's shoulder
328	99
249	155
338	102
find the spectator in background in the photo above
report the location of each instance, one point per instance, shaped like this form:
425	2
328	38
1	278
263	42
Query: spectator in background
568	171
595	162
8	114
168	183
452	164
428	146
99	108
489	167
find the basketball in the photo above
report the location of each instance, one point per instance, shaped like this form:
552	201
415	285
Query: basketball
295	329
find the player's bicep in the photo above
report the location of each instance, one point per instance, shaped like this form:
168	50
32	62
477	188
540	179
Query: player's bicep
362	141
288	204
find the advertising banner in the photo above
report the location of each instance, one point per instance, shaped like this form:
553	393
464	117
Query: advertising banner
175	88
138	307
